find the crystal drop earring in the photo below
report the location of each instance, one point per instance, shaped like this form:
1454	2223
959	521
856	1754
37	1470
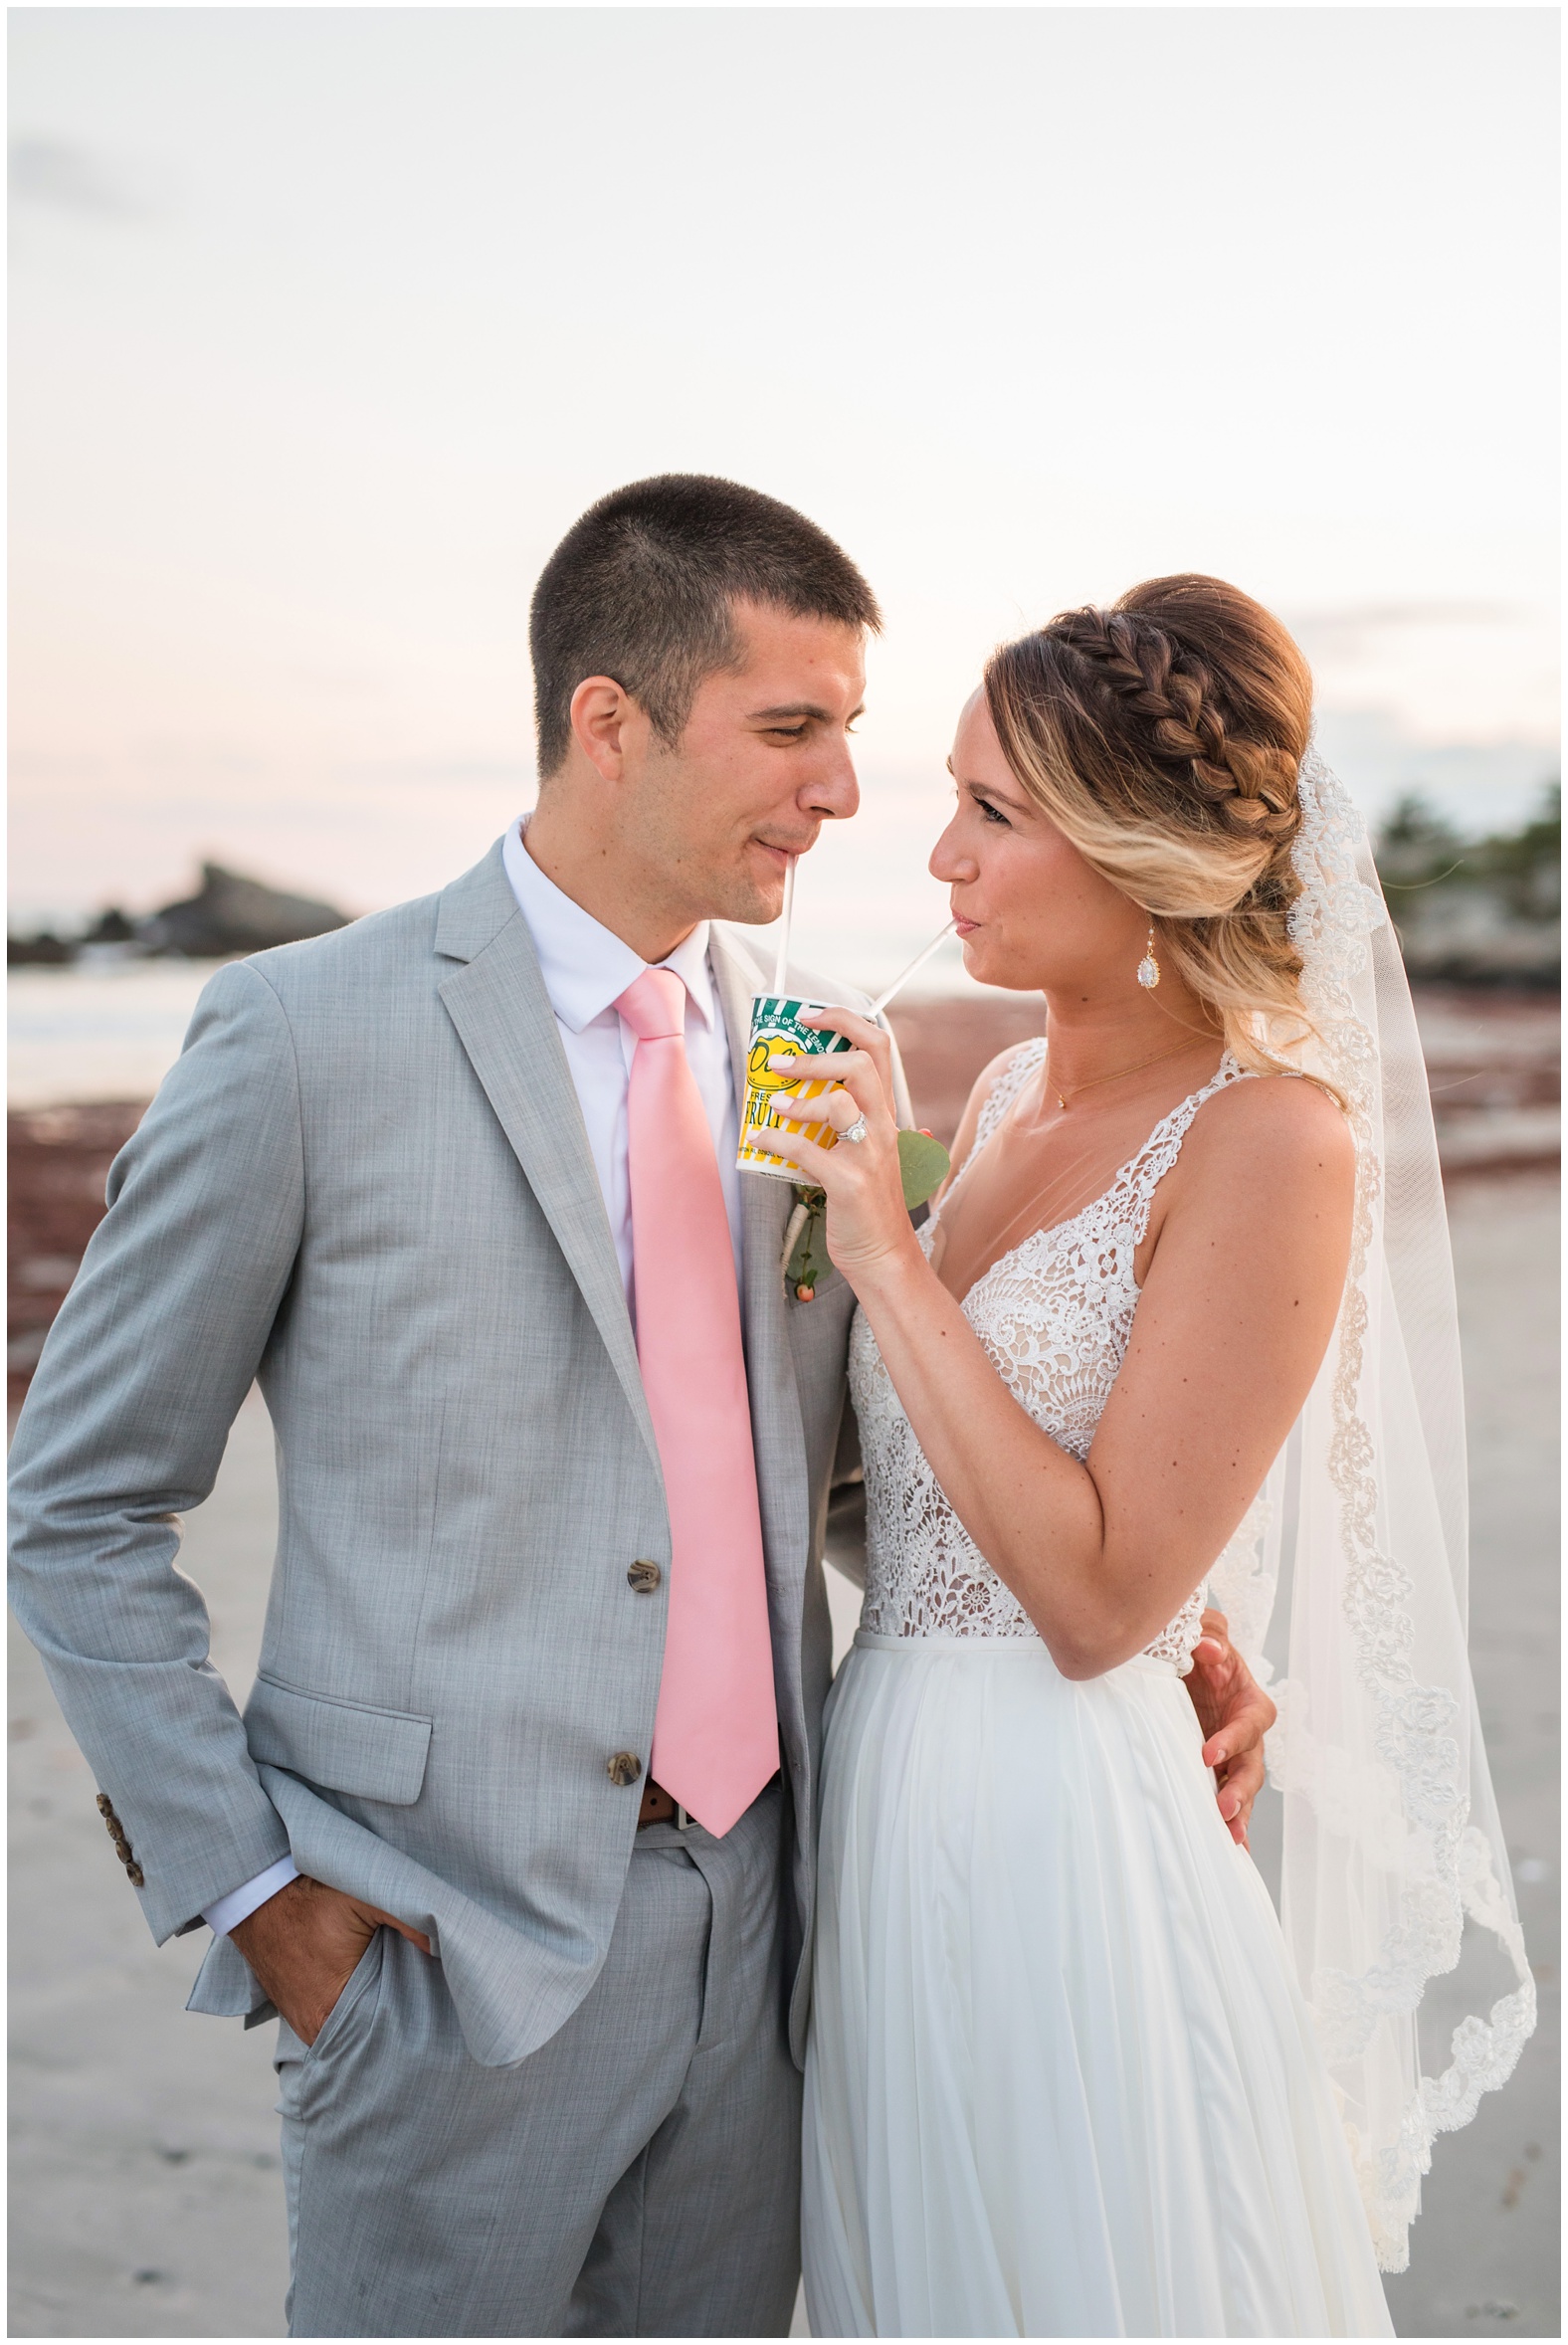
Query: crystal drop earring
1148	967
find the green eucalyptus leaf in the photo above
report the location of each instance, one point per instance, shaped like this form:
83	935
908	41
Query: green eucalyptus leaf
925	1163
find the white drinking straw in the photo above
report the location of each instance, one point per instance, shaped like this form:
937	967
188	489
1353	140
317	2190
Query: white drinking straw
780	965
905	975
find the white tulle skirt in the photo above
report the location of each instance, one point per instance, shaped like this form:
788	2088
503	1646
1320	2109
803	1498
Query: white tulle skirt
1061	2081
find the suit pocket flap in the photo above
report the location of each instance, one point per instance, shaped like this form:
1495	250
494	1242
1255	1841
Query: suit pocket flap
342	1745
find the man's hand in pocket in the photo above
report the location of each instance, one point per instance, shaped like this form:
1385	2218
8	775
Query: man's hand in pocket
304	1945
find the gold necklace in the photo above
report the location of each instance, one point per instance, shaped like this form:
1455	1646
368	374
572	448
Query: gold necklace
1093	1082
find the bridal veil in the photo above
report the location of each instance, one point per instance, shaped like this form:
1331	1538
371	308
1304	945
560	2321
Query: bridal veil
1396	1896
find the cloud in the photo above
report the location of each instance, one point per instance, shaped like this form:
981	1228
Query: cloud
1353	629
55	175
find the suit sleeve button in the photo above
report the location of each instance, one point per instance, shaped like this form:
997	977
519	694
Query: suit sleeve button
625	1767
642	1576
137	1876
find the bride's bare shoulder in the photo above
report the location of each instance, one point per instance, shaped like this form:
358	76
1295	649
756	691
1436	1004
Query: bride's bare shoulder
1265	1183
1273	1132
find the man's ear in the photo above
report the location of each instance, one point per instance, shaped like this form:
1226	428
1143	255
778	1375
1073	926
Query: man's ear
607	725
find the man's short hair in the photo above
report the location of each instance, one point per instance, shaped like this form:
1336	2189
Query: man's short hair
642	589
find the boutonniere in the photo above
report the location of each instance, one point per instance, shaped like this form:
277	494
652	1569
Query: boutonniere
924	1164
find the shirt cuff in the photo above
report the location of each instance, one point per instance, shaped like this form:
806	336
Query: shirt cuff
228	1911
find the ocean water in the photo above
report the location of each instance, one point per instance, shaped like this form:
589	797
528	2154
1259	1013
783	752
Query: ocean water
100	1031
111	1030
77	1034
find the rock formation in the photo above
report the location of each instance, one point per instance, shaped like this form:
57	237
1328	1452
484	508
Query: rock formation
232	914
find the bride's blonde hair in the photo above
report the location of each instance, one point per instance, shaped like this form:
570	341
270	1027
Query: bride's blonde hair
1164	737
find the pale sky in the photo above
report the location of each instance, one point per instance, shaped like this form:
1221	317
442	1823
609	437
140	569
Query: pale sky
325	324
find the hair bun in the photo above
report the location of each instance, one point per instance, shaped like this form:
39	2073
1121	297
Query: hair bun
1164	738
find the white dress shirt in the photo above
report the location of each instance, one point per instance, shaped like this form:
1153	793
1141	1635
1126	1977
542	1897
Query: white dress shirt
586	968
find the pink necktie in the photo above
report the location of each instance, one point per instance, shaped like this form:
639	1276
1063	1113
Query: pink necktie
715	1731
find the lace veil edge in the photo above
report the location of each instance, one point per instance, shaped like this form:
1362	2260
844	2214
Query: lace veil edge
1391	1832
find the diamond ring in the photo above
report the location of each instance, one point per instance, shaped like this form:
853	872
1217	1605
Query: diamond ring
856	1132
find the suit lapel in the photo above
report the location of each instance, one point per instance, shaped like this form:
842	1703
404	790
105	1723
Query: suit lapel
497	1002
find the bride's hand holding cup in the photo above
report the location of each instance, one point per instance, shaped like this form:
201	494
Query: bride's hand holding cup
867	1225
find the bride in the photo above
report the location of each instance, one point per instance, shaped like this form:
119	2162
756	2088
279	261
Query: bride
1062	2077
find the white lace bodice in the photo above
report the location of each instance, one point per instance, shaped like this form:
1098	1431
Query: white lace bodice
1055	1315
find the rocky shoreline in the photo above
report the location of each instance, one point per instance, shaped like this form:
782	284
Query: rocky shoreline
1491	1060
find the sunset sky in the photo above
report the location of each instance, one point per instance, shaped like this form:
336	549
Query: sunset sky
327	323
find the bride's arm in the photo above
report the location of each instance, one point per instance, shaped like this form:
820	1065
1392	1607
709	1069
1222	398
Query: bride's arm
1236	1309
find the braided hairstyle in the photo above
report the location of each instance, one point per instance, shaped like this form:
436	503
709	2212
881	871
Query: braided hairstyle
1163	737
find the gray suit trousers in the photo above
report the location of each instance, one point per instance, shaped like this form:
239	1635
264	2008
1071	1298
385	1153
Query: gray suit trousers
638	2176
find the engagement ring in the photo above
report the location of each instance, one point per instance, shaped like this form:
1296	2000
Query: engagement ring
856	1132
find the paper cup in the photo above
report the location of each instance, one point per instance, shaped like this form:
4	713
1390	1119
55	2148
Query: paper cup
776	1027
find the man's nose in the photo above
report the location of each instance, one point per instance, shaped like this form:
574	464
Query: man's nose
835	787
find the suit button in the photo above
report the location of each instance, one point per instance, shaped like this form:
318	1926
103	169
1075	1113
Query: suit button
625	1767
137	1876
642	1576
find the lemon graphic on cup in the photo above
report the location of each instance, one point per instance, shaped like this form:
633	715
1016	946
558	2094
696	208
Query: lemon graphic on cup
760	1076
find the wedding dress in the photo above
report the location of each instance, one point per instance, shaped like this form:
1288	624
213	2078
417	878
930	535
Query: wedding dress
1062	2080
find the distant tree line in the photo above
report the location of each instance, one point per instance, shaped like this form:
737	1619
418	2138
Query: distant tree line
1476	911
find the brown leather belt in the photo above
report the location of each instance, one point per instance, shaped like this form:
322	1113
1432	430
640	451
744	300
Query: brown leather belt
657	1807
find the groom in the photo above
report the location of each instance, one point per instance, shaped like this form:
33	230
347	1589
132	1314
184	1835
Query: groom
515	1833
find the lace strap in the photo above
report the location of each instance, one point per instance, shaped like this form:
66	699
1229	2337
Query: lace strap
1023	1062
1135	1184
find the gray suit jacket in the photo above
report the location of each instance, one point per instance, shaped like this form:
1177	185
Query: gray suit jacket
366	1183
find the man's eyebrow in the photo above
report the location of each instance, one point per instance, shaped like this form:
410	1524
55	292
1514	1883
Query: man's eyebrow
803	708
